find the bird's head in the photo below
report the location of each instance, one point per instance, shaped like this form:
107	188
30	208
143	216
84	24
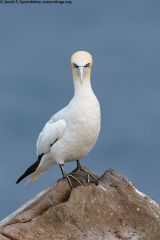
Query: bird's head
81	63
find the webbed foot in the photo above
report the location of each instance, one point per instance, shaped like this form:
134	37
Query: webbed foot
79	177
90	177
72	179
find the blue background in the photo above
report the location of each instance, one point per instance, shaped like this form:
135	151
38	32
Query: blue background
36	43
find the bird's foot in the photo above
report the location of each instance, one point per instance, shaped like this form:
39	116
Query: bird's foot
79	176
72	180
90	177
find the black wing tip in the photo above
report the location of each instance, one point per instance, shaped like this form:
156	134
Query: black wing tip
20	179
31	169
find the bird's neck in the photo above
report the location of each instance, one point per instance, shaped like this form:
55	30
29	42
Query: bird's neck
83	88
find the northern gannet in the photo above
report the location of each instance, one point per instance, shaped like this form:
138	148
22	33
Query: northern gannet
72	132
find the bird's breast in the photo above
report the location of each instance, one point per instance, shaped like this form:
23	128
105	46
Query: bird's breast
82	117
83	125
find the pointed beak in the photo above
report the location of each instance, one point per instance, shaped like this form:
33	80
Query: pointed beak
81	71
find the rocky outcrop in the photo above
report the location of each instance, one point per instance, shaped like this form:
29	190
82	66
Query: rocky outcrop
113	210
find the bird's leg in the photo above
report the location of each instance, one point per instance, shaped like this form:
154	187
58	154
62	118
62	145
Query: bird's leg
62	170
65	175
68	176
79	167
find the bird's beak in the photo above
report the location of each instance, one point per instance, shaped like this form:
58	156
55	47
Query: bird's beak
81	71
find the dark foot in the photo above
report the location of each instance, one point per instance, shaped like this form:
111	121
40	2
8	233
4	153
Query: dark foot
73	180
79	177
90	177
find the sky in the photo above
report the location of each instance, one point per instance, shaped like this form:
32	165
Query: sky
36	43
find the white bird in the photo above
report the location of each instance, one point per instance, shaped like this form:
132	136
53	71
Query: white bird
72	132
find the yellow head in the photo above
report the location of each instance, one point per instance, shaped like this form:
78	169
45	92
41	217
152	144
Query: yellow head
81	63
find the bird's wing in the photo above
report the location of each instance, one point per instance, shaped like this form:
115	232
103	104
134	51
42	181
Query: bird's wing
52	131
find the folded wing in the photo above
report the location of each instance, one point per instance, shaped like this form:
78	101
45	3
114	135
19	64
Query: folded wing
51	133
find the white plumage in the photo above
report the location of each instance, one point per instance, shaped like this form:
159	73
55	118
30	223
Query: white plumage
72	132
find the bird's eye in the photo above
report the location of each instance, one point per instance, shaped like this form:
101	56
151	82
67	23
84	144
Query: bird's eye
75	65
87	65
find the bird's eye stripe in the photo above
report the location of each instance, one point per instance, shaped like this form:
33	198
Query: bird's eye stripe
76	66
87	65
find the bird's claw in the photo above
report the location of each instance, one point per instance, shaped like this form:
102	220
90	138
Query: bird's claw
90	177
72	180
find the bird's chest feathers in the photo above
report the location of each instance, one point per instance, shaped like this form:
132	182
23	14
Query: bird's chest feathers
85	116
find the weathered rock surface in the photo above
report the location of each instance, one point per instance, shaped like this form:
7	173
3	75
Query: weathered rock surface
112	210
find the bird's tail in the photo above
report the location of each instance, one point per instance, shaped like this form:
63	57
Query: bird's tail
37	169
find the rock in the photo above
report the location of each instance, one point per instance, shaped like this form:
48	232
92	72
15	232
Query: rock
113	210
